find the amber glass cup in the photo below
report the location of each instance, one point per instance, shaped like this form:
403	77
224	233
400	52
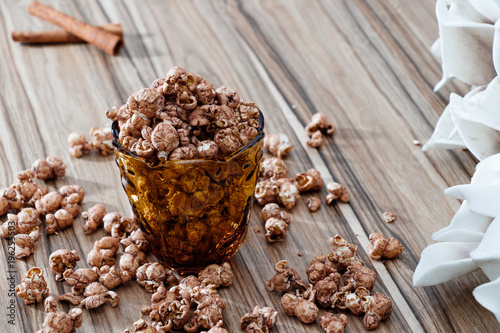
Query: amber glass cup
194	212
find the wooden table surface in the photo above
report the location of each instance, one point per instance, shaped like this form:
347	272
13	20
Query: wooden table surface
366	64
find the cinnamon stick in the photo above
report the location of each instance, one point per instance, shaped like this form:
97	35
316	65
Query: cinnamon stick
59	36
106	41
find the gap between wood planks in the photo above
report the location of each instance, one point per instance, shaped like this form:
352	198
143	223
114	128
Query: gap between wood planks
346	209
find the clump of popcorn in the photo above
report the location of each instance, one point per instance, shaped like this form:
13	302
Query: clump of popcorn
26	201
318	126
183	116
172	308
33	287
101	142
329	289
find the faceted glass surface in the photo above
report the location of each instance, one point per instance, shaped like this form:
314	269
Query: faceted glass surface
193	212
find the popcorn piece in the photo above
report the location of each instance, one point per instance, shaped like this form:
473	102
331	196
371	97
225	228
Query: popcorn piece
319	122
288	194
140	147
262	319
380	247
151	275
288	302
185	97
198	118
217	275
62	260
209	310
313	204
25	243
147	102
331	324
60	220
376	307
103	252
51	168
158	298
316	140
25	176
93	218
165	138
192	326
352	301
278	144
207	149
206	92
23	223
309	181
33	287
25	185
270	210
273	168
117	225
318	269
96	295
174	314
111	277
14	198
266	192
247	134
58	321
305	310
71	298
224	117
68	190
118	113
358	275
227	96
183	153
49	202
101	140
71	204
39	193
326	290
286	279
184	135
137	237
343	253
170	85
336	191
389	217
228	140
78	145
10	227
275	229
273	210
80	278
132	259
134	126
42	169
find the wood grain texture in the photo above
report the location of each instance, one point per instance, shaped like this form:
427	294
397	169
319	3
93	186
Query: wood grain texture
366	64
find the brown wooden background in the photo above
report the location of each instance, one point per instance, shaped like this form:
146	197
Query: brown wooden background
366	64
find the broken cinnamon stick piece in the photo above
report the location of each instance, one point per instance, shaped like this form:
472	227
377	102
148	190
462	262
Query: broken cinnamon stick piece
106	41
58	36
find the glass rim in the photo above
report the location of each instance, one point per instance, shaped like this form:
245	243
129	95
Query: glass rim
118	147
